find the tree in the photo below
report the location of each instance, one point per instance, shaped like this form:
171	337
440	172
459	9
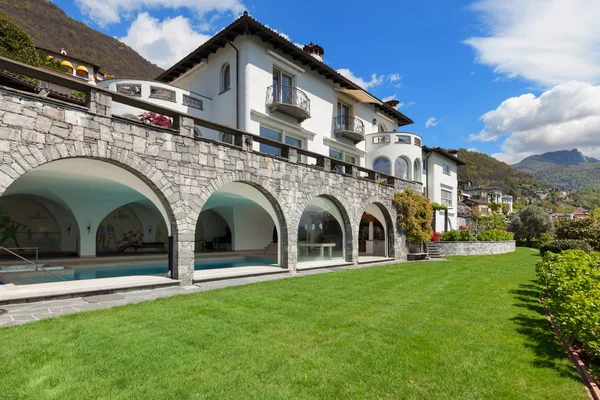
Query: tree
16	44
531	222
495	207
587	229
505	209
488	222
414	215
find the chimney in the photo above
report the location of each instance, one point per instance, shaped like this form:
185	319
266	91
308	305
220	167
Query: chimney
314	50
392	103
453	152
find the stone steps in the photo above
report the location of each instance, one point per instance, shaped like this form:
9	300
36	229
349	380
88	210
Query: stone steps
433	251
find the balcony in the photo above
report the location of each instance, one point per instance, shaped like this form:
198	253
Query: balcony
350	128
289	100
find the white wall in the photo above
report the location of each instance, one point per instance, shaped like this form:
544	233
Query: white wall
409	151
438	180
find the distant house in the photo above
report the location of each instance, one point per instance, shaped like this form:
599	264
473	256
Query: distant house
577	214
478	206
491	195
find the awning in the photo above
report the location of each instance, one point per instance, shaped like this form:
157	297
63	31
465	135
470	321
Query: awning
81	68
360	95
49	57
65	63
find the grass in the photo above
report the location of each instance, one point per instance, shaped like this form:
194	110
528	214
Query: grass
469	328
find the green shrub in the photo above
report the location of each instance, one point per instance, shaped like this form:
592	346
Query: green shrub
571	282
414	215
15	43
531	223
456	236
494	235
579	229
482	223
557	246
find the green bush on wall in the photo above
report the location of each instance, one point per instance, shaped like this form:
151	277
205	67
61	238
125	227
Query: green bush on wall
557	246
457	236
495	235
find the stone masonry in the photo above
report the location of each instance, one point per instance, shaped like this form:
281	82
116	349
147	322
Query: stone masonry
476	248
183	171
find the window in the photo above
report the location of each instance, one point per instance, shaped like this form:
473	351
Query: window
484	210
382	164
192	102
446	169
338	155
162	93
343	115
282	83
383	128
403	139
417	141
273	135
417	170
401	168
225	77
350	159
130	90
381	139
447	197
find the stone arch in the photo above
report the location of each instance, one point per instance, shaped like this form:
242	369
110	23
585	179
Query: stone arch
347	213
390	219
31	157
265	186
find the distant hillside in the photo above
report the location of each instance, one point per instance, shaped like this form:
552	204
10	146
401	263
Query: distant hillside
564	169
51	28
483	170
562	157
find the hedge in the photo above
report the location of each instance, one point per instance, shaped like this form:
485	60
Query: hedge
495	235
457	236
557	246
571	282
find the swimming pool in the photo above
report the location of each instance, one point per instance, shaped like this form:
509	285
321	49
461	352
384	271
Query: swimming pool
108	271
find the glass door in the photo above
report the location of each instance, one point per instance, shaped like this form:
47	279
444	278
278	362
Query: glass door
282	87
343	113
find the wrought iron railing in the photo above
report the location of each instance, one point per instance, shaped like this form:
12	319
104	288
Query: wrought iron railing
344	123
288	95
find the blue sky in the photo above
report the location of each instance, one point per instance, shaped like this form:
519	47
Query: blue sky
509	78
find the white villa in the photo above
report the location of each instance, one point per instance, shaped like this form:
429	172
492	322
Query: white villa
259	82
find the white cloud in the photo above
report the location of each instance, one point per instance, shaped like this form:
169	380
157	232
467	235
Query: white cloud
106	12
395	80
431	122
410	103
473	149
376	80
564	117
545	41
163	42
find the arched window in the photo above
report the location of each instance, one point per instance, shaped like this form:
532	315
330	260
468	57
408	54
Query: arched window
417	170
401	168
382	127
225	77
382	164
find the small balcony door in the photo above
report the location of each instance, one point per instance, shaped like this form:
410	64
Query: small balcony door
282	84
343	113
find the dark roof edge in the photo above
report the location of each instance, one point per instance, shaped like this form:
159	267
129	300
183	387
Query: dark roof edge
244	23
444	153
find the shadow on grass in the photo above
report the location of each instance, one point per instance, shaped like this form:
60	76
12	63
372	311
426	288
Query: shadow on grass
540	336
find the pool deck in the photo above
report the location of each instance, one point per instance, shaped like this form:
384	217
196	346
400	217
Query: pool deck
21	312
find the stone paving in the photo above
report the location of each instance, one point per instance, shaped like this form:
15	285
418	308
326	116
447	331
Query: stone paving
18	314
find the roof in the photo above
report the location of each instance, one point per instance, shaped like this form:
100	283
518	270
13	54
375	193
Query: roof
444	153
481	188
248	25
18	82
58	53
480	202
579	212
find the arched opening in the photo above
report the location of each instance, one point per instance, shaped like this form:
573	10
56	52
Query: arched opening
401	168
225	77
70	211
382	164
375	234
417	170
383	127
322	232
238	226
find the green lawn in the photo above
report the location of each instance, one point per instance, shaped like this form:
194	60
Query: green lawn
469	328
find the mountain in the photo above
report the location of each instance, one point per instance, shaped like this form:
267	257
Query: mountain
567	169
52	29
483	170
562	157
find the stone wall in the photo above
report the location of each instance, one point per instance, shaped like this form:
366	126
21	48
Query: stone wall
181	170
476	248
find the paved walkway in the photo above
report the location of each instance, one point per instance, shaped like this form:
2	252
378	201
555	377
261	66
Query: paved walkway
17	314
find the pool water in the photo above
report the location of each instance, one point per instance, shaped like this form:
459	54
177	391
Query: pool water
146	269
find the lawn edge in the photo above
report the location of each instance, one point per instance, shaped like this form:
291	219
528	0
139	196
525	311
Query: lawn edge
588	381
